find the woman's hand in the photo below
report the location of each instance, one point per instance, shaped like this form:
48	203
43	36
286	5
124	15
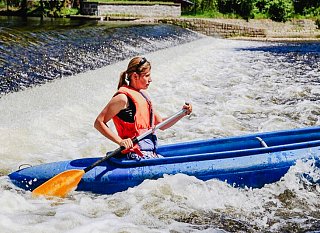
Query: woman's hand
126	143
188	107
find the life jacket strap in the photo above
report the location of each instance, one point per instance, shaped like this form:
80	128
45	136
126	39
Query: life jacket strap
135	149
151	109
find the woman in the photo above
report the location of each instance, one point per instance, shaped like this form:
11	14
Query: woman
132	112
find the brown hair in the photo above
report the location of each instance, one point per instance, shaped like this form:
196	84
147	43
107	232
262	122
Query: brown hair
137	65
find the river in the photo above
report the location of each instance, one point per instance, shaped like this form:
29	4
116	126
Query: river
57	76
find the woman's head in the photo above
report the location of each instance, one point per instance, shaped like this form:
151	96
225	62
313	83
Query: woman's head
137	67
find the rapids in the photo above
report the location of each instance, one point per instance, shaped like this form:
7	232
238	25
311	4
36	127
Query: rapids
236	87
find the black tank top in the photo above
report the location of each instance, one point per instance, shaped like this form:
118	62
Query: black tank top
128	113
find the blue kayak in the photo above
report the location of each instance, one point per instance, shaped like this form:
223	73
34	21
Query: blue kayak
242	161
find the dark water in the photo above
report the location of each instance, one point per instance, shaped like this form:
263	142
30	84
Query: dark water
33	52
307	53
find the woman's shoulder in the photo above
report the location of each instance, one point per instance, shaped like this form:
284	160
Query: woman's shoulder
120	99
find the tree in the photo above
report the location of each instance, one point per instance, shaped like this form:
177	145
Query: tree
240	7
280	10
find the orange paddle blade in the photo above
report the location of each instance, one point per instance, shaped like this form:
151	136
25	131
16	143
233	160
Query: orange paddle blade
60	185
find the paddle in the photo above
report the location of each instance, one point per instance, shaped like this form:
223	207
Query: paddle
61	184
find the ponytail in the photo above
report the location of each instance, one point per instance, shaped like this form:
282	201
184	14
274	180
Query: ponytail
122	80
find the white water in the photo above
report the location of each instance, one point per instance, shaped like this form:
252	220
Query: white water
233	92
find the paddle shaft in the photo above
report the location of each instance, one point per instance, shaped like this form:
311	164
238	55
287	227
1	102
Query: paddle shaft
137	139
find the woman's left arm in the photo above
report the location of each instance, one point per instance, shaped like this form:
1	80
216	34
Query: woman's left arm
159	119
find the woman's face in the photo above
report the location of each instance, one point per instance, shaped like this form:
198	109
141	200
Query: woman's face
144	79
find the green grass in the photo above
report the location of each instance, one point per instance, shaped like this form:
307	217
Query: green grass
260	16
69	11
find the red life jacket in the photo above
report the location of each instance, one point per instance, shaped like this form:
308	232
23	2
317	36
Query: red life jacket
143	119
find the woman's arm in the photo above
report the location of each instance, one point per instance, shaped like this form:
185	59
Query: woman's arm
159	119
116	104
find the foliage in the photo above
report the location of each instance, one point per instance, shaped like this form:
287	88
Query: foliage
3	4
312	11
241	7
61	12
280	10
209	5
202	7
37	8
223	8
302	6
69	11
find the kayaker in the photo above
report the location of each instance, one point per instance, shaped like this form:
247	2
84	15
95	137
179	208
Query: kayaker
132	112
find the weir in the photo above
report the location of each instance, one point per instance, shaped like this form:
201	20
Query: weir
53	54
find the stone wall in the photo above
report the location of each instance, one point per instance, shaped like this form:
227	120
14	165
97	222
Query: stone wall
211	27
136	10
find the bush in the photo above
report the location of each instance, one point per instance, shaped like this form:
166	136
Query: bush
203	7
246	9
280	10
260	5
312	11
69	11
208	5
243	8
300	6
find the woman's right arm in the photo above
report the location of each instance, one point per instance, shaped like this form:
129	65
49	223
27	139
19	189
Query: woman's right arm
116	104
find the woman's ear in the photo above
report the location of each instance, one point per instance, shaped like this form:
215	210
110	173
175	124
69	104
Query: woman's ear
135	76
